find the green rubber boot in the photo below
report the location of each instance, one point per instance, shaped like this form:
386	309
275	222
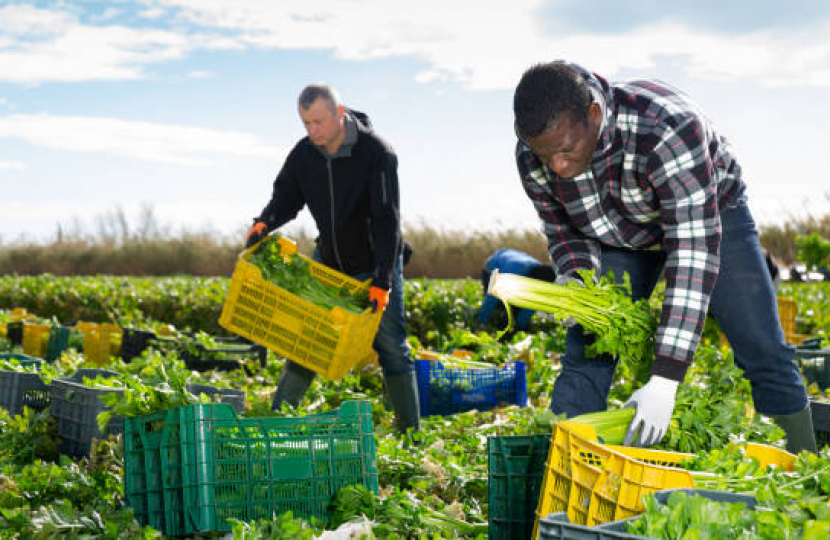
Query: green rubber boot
799	429
293	384
402	394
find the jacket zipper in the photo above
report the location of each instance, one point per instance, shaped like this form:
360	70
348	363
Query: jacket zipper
333	230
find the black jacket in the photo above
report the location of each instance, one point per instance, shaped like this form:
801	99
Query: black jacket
352	195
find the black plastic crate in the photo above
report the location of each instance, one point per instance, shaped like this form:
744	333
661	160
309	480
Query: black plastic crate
234	398
135	341
14	332
557	526
18	390
75	408
227	358
821	421
814	365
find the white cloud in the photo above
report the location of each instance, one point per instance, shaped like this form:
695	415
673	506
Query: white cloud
479	44
486	45
201	74
44	45
141	140
11	165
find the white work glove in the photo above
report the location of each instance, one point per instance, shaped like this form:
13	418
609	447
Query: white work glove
564	280
653	403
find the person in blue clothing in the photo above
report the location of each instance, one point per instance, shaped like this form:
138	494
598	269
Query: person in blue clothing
511	261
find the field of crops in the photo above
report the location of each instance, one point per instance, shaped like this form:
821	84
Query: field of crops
433	483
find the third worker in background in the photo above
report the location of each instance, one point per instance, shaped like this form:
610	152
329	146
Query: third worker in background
632	178
510	261
347	176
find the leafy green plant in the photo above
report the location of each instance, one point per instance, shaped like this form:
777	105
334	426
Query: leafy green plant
813	250
601	306
292	273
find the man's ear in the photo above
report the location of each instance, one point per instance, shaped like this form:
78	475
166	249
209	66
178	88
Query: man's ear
341	110
595	113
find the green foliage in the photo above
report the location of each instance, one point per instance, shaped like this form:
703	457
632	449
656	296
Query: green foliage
813	250
27	437
442	468
154	384
620	326
284	527
398	515
292	273
790	504
711	407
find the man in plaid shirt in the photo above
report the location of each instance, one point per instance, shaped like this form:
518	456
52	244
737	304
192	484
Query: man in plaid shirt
632	178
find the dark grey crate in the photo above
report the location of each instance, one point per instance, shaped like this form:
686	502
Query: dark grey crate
135	341
75	408
230	357
557	526
18	390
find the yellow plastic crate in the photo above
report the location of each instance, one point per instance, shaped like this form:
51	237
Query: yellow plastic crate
328	342
35	339
769	455
20	314
596	483
101	341
15	315
787	311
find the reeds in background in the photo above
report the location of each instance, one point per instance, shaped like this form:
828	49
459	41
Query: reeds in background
149	248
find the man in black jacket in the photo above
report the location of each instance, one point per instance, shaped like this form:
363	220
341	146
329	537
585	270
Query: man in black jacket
347	175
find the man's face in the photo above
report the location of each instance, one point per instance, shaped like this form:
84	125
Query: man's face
324	127
567	147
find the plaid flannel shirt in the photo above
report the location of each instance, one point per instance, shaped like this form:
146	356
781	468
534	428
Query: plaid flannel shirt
658	179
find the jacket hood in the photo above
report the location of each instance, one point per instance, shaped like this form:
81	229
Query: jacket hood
355	121
362	119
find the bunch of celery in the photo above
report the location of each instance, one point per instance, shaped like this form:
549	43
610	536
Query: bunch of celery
292	273
602	307
610	425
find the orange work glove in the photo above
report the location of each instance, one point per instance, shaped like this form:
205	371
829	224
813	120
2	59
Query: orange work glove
256	233
378	298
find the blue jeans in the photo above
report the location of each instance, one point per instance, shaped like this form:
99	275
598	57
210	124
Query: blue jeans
743	302
390	341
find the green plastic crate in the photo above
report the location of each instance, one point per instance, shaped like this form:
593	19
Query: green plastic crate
58	342
515	467
188	470
22	359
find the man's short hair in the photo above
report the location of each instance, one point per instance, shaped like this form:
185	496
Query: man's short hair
545	93
315	91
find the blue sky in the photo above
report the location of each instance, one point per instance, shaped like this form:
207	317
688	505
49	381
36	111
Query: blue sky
188	107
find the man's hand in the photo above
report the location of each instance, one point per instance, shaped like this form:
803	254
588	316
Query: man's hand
564	280
378	298
654	404
256	233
